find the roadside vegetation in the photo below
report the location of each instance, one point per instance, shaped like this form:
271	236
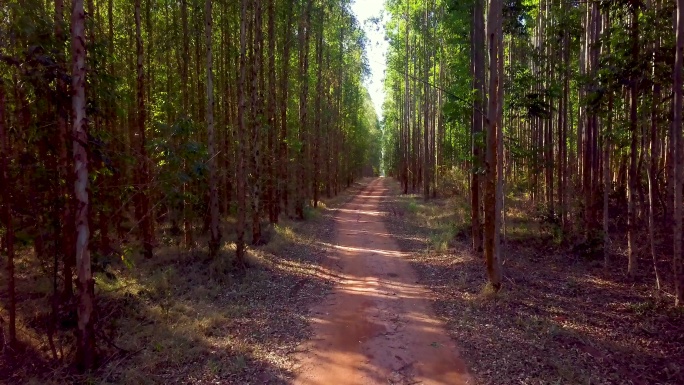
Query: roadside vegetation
561	318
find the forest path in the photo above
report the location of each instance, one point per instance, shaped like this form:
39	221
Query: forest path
377	326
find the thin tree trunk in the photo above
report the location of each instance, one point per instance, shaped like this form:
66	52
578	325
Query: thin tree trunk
632	178
678	176
185	98
7	219
426	107
283	156
85	355
493	180
478	121
257	122
317	110
653	159
67	240
607	144
407	110
242	132
145	213
302	166
215	242
272	156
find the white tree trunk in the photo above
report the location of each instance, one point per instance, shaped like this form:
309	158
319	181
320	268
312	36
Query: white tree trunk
86	338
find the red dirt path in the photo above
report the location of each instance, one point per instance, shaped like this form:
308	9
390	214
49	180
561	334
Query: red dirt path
377	326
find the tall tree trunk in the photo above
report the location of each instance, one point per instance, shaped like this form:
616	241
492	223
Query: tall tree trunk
241	136
493	180
633	178
315	147
283	156
302	166
215	242
678	156
479	101
145	213
257	124
607	144
654	155
563	145
426	108
272	130
185	98
85	355
67	241
406	138
8	242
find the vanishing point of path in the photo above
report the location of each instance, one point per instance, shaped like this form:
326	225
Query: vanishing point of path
377	326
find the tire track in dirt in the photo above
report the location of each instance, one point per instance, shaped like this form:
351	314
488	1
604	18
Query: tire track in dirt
377	326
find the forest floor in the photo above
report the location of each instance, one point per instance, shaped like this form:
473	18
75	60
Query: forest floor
375	287
561	318
182	317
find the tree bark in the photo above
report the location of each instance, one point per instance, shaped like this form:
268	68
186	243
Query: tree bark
678	176
215	242
654	155
283	152
272	129
493	180
406	138
85	355
145	215
478	67
632	177
256	125
607	144
242	132
315	147
7	219
185	98
67	241
302	166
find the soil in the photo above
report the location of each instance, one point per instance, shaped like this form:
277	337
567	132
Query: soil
377	326
560	318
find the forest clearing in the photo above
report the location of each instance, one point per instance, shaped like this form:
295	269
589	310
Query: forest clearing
247	192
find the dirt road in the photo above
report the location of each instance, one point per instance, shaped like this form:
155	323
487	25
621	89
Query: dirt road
377	327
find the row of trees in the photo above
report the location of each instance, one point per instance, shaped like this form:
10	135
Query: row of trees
576	104
171	116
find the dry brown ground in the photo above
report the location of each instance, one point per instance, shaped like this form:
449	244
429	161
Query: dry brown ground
377	327
560	319
183	318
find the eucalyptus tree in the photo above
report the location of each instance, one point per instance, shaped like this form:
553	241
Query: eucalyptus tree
215	241
85	356
678	156
584	122
494	156
192	132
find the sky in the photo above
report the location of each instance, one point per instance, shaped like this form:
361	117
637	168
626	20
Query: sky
376	49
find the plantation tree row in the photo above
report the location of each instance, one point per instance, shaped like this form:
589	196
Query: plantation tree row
577	105
126	123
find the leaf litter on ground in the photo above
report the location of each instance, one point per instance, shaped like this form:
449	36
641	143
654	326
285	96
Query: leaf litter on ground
560	319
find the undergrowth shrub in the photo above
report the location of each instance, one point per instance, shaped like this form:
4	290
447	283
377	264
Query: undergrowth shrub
453	181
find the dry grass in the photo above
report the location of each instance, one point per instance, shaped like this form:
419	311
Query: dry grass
183	317
560	319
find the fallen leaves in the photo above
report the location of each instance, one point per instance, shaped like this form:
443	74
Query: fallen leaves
559	320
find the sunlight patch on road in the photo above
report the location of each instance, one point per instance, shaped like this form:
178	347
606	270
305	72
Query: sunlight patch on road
364	212
365	250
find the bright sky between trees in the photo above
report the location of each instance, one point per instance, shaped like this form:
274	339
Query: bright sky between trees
365	10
